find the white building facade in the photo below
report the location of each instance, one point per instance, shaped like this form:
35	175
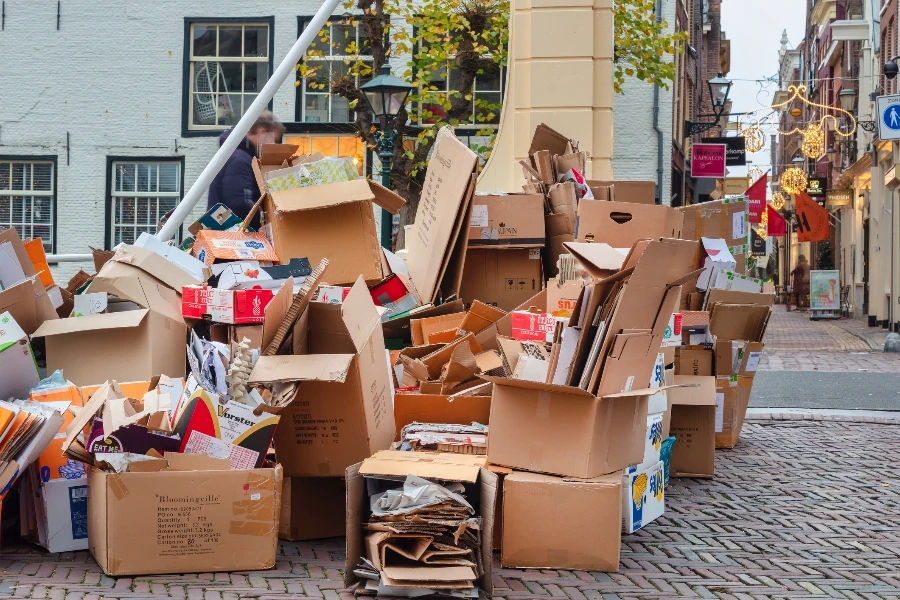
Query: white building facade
111	110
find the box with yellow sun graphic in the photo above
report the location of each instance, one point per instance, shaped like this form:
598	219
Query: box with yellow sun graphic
643	497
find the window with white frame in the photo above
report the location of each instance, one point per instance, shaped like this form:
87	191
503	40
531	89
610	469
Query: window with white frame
28	198
339	51
142	193
228	65
487	93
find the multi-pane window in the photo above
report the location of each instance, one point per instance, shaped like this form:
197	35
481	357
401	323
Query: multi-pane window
339	51
28	198
142	193
487	93
229	64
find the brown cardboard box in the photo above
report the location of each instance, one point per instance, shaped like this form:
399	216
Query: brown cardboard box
398	328
500	472
732	400
423	329
438	241
559	231
721	219
29	304
621	224
746	322
132	345
503	278
639	192
145	523
694	360
693	423
564	430
312	508
334	221
750	357
341	412
508	221
471	471
554	523
429	408
726	362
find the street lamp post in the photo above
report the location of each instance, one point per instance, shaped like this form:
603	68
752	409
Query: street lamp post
719	87
386	95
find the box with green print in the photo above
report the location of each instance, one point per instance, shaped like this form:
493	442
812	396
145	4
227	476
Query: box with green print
18	371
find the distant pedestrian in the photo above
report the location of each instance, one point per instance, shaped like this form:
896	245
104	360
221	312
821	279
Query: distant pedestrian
799	283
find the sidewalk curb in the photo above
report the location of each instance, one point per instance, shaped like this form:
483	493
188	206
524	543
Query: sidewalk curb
763	418
859	336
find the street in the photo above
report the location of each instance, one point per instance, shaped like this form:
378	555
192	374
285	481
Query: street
804	507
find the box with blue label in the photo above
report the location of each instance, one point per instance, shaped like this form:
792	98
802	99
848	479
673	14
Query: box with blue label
643	497
63	525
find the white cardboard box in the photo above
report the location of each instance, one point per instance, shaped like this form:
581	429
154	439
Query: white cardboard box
64	525
643	497
657	406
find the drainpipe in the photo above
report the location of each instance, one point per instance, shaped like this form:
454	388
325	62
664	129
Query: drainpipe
656	127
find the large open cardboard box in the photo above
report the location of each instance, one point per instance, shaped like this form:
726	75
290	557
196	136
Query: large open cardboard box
507	221
471	471
693	422
194	515
621	224
502	278
431	408
555	523
341	412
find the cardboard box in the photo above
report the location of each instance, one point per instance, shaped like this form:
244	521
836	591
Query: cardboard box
196	269
562	297
215	246
437	243
732	400
722	219
312	508
643	497
746	322
672	336
430	408
564	430
694	360
560	229
192	516
334	221
555	523
507	220
693	423
638	192
621	224
502	278
471	471
717	258
423	329
133	345
750	357
29	304
250	274
63	515
341	412
235	307
532	326
18	369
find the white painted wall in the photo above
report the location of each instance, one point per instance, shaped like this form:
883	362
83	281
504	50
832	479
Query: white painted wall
635	142
111	77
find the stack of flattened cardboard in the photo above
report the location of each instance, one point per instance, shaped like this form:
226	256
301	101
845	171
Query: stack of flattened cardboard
420	524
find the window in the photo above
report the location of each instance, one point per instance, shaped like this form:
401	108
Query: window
487	93
348	144
338	52
28	198
141	193
227	63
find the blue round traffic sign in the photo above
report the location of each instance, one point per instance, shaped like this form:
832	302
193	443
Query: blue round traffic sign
891	117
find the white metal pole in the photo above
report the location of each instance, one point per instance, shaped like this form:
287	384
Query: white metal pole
237	134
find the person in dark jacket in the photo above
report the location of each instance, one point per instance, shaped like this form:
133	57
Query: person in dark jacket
235	185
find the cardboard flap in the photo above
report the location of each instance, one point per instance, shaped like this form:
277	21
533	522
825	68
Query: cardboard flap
324	196
196	462
693	390
129	282
717	250
664	261
385	198
359	314
547	138
439	465
631	344
745	322
736	297
126	319
150	262
12	236
646	391
106	392
600	260
277	310
534	385
308	367
276	154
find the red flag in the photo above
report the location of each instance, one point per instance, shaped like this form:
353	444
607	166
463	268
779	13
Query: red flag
756	199
812	219
777	226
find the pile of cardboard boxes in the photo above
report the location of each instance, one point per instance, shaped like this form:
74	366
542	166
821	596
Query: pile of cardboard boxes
536	348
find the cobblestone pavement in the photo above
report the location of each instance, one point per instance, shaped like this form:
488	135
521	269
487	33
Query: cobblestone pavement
800	509
794	343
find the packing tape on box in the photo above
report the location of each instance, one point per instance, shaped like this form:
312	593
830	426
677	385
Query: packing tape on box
253	528
255	508
543	405
117	486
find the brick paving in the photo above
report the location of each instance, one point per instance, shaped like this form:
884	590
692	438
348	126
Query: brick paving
800	509
794	343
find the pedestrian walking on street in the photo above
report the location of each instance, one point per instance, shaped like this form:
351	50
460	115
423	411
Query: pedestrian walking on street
799	283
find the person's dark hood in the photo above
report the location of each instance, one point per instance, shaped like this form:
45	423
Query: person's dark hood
245	144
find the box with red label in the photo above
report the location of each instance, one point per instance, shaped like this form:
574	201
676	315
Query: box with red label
235	307
529	326
672	336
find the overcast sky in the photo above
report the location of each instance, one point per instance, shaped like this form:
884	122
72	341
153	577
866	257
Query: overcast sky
754	28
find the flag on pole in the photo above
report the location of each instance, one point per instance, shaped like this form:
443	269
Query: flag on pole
812	219
756	199
777	226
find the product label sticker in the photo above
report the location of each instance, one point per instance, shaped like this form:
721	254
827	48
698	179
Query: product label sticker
479	216
720	411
